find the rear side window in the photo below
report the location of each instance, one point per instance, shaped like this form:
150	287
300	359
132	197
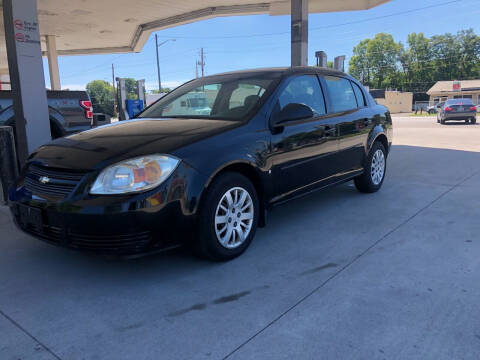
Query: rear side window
341	94
303	89
359	95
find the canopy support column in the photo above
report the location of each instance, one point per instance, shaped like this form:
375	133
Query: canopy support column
22	37
299	32
53	62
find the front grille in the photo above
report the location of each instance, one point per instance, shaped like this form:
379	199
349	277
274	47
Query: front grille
53	182
124	243
50	233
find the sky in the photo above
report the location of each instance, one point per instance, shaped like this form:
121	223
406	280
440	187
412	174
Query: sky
244	42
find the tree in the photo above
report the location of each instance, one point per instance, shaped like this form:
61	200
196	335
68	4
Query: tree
101	94
359	65
131	88
375	61
164	90
416	62
381	62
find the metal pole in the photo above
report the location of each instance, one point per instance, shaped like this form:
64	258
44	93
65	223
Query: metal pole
114	92
158	65
8	160
203	63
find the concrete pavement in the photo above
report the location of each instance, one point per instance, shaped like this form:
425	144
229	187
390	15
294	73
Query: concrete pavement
335	275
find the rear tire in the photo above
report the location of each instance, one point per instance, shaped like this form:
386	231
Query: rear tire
467	121
473	120
226	228
375	168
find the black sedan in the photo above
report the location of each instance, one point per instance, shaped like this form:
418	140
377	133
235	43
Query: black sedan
457	109
204	164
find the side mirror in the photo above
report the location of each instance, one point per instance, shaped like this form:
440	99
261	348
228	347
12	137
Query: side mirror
292	112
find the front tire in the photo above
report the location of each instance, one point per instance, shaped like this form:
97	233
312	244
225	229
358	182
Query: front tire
376	165
228	217
474	120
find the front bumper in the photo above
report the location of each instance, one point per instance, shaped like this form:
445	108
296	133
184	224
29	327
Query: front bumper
117	225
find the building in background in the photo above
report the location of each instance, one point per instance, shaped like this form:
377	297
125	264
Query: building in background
396	101
444	90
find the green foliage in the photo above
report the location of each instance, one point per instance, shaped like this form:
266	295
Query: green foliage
381	62
131	88
374	61
164	90
101	94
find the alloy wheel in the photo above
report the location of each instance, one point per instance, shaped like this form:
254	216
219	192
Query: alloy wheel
234	217
378	167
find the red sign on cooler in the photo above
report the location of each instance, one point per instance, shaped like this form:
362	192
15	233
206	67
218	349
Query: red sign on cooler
20	37
18	24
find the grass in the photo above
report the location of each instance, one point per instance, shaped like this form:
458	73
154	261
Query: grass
423	114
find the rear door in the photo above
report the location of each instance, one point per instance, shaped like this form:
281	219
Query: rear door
348	105
302	151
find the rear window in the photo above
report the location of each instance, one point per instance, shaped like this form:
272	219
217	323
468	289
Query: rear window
459	102
341	94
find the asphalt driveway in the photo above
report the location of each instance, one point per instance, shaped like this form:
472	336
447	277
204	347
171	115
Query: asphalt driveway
335	275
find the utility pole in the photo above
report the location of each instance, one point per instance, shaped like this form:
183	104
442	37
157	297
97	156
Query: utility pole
158	65
201	62
114	93
202	59
157	45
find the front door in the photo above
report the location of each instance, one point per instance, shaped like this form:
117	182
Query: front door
302	151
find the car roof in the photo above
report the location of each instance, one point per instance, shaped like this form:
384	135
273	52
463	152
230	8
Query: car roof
282	71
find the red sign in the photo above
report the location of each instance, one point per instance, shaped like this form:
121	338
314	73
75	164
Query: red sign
20	37
456	86
18	24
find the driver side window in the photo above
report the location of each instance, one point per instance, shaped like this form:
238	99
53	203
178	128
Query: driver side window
303	89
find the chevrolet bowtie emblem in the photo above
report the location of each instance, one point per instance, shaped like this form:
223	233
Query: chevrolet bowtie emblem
44	179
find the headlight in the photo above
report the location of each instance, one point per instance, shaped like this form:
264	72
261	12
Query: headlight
134	175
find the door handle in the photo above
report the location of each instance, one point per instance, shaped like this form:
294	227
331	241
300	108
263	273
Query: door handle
329	131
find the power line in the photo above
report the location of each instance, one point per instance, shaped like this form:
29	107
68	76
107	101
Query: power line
326	26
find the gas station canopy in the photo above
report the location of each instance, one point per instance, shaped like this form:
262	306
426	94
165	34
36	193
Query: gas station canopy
116	26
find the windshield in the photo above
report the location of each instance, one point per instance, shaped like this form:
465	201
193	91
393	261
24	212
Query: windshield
220	97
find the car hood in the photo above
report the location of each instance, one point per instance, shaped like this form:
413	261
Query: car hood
100	147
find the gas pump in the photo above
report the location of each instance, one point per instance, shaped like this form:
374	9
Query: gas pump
128	108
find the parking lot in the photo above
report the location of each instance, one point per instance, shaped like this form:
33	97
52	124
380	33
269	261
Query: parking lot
335	275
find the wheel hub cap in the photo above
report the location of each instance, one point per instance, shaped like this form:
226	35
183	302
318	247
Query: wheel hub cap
378	167
232	234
